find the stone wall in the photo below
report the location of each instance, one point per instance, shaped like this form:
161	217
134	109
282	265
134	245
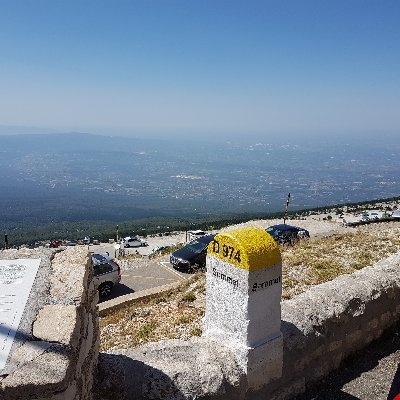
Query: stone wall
329	322
320	329
56	347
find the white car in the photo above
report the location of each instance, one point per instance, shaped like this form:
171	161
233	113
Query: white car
193	235
134	241
106	273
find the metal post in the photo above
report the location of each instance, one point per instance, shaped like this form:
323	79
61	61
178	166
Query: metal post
286	210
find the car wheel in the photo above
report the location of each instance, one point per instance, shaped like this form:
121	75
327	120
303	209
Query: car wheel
190	269
195	268
105	289
202	268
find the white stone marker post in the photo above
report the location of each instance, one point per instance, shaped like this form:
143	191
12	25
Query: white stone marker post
243	295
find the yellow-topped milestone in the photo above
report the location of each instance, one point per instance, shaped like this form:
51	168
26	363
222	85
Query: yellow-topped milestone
251	249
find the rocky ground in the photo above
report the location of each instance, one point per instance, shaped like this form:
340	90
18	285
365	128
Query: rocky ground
332	250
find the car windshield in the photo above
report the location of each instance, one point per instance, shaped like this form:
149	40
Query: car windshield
274	231
99	257
196	246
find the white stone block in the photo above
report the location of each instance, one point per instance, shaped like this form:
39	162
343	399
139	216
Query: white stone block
262	364
243	295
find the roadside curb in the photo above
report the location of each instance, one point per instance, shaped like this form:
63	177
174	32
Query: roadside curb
112	305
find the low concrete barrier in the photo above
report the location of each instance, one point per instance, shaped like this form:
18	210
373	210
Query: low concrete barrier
110	306
329	322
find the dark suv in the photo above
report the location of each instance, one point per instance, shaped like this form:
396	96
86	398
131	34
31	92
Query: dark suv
287	234
192	256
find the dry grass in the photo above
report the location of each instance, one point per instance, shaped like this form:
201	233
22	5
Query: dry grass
166	250
178	313
130	257
165	316
320	260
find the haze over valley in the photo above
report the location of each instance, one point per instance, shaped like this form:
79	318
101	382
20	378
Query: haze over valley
75	177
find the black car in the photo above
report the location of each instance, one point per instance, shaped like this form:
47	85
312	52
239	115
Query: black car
191	256
287	234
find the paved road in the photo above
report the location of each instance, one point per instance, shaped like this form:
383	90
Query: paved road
154	273
373	374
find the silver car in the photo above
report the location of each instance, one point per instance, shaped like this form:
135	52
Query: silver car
134	241
106	273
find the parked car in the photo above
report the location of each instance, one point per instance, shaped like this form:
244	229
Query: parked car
134	241
192	255
371	215
106	273
287	234
196	234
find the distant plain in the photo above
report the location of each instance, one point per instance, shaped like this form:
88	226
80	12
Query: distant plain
50	180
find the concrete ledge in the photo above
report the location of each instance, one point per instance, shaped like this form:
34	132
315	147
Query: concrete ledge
46	374
109	306
60	365
199	368
57	323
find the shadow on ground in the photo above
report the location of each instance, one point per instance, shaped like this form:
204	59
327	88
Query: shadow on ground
118	290
384	379
121	378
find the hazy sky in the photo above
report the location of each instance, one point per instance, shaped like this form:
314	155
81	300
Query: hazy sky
217	67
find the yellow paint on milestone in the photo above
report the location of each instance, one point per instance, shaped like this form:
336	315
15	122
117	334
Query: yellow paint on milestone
251	249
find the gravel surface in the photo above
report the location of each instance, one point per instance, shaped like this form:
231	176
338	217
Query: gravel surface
314	224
